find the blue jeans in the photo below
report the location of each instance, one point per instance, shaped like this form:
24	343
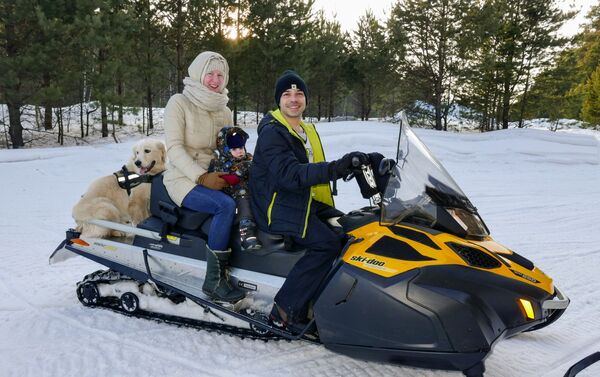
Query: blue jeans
218	204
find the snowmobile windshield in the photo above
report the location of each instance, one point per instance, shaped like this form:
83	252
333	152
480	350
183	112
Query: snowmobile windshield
421	190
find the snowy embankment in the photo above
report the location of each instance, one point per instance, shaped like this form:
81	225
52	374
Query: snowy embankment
538	191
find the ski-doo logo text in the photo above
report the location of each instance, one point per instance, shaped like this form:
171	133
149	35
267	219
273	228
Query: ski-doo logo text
366	260
526	277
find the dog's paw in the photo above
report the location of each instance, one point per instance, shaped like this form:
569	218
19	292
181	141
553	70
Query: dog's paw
117	233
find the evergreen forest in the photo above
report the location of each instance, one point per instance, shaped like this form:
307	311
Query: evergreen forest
502	59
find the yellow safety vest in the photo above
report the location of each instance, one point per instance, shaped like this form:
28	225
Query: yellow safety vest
320	192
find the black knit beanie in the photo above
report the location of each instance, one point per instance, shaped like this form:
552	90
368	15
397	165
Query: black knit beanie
289	80
236	138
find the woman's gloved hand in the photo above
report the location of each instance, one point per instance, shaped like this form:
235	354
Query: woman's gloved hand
213	180
343	166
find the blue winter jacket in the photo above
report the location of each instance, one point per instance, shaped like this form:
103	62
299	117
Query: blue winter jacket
280	180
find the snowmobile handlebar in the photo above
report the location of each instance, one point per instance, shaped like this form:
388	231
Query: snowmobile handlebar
371	174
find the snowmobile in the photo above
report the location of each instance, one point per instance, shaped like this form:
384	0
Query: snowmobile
419	282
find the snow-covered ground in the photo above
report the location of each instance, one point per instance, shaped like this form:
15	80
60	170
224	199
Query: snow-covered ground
538	191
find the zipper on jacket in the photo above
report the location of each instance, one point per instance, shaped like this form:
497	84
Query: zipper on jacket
307	214
271	208
324	159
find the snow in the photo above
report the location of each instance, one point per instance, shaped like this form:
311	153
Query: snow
538	191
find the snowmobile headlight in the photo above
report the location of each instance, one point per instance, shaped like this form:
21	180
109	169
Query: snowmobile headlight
527	308
470	222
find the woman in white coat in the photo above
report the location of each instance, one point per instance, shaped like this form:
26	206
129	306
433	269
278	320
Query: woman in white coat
192	122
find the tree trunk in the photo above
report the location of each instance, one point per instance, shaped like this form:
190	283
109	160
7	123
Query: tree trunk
10	95
3	122
68	118
114	133
101	59
369	99
330	106
120	97
505	103
38	115
437	98
15	129
363	100
524	99
257	109
485	113
61	126
235	101
47	117
494	118
87	89
179	48
87	119
81	91
104	116
319	107
506	93
149	100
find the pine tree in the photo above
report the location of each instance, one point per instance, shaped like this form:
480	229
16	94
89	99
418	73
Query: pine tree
278	34
56	58
18	27
563	87
431	29
325	55
370	57
149	55
591	104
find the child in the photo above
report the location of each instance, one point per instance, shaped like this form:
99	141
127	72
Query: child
231	157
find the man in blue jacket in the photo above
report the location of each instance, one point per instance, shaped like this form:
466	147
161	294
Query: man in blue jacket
289	182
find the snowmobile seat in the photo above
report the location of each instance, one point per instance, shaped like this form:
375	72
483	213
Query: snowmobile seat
277	256
170	213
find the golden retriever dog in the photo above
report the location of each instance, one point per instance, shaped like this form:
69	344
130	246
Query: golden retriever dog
105	200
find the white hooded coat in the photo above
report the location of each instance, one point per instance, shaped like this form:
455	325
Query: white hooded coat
192	122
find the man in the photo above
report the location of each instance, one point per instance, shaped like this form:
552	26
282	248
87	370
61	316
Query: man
289	185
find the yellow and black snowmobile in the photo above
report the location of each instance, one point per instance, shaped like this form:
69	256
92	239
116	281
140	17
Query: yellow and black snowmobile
420	281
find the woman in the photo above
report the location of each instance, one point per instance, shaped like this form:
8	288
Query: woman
192	121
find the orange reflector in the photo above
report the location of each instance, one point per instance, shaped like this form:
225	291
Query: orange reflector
527	308
79	241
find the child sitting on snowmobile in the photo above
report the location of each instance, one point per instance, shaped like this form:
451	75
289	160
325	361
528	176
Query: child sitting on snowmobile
231	157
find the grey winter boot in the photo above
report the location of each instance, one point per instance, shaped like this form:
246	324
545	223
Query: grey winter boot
216	283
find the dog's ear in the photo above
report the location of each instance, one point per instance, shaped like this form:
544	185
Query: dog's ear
163	150
133	150
132	158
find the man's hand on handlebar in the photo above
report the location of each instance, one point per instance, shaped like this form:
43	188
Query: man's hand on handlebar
343	167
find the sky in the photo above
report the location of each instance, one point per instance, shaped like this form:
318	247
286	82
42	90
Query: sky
348	12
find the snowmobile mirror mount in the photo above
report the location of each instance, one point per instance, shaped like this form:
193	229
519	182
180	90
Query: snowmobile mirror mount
398	146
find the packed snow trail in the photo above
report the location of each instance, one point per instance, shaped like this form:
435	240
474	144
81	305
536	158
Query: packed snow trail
538	191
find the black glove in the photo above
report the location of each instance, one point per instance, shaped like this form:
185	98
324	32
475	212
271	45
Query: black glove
342	167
